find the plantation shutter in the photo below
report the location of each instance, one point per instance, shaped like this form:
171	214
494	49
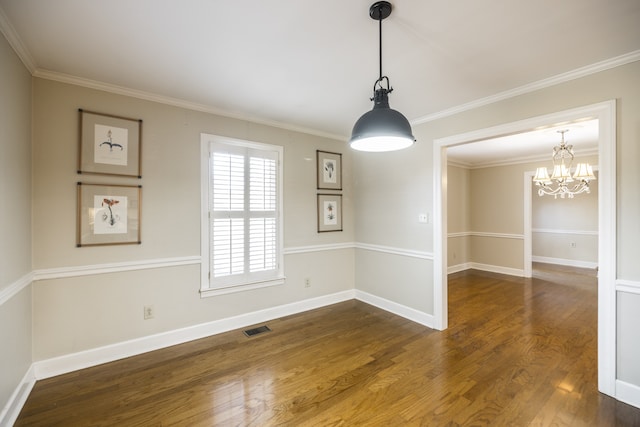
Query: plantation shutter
243	215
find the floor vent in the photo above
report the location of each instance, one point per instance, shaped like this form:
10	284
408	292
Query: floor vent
256	331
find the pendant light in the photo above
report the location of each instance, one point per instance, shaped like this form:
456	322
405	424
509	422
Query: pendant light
382	128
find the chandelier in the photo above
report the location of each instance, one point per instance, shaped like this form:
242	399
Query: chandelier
562	183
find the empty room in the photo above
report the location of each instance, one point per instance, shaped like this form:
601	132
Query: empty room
354	213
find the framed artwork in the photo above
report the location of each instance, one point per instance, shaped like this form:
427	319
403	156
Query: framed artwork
108	214
109	145
329	166
329	212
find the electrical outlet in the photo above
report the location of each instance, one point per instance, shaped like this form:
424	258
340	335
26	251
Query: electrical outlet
307	282
424	218
572	244
148	312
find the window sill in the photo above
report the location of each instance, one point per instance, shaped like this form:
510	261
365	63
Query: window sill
212	292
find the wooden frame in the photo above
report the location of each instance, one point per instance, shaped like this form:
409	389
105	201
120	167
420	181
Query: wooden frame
108	214
329	170
329	212
109	145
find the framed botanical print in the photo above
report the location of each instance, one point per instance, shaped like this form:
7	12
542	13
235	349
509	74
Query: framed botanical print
329	212
109	145
108	214
329	168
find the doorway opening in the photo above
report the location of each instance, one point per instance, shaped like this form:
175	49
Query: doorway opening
605	114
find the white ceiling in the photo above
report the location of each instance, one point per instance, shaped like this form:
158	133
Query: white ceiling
536	145
311	66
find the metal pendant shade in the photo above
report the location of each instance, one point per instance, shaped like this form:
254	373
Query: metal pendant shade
382	128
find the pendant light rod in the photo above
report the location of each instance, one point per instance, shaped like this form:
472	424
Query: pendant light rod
380	47
379	11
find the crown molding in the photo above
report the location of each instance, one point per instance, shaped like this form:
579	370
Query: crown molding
148	96
513	161
176	102
16	43
532	87
518	160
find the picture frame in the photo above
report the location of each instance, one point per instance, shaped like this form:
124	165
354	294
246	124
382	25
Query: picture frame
329	170
109	144
329	212
108	214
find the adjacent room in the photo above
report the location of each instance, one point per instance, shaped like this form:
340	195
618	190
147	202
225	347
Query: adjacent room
214	214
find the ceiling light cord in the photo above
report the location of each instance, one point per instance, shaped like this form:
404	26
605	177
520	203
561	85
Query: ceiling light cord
380	47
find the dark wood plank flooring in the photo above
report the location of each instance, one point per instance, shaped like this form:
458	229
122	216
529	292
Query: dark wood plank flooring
518	352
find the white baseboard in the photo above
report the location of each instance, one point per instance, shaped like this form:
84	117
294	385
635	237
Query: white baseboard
395	308
563	261
516	271
497	269
485	267
628	393
97	356
458	267
12	409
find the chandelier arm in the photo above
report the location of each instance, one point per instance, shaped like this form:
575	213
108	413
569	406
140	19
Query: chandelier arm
563	190
581	187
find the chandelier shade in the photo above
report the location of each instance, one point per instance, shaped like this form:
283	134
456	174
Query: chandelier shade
557	185
584	171
382	128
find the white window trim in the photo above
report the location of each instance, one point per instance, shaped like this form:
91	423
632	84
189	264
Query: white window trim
205	290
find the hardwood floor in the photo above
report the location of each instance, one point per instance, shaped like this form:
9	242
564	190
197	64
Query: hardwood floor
518	352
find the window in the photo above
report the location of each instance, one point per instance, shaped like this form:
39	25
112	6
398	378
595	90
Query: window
241	215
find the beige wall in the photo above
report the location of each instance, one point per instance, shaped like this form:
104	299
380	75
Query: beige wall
390	191
496	203
491	200
15	226
412	169
80	313
459	209
458	215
